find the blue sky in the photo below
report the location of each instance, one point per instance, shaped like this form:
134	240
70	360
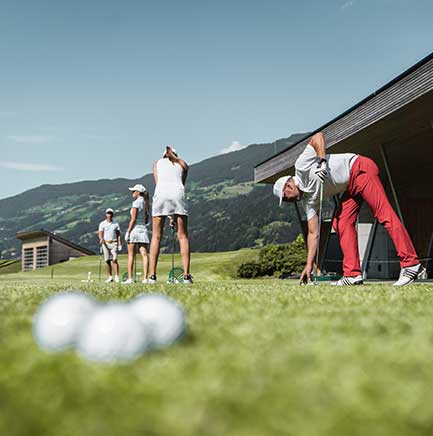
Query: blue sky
95	89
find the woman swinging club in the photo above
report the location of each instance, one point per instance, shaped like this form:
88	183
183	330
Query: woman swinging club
170	175
137	231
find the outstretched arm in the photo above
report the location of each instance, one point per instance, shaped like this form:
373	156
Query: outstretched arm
313	230
318	143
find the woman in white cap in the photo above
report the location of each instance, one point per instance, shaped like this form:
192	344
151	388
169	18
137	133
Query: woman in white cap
170	175
137	231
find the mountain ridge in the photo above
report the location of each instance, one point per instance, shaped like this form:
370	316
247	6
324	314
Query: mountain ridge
216	187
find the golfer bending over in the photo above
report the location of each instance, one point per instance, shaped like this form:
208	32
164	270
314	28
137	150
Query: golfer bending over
358	177
137	234
111	243
170	175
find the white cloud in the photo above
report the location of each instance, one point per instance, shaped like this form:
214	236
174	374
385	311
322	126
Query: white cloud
21	166
235	146
30	139
347	4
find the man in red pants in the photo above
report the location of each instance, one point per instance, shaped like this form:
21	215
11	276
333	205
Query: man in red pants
358	177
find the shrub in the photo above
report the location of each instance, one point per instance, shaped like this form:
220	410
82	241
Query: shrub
283	259
249	270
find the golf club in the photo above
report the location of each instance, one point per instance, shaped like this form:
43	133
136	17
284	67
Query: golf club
318	233
100	262
175	274
173	241
135	262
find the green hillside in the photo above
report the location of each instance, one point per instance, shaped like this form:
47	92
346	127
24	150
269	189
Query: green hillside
227	212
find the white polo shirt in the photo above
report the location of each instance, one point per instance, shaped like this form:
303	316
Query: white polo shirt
110	230
339	166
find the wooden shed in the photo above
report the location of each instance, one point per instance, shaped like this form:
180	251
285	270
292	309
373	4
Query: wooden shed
394	127
41	248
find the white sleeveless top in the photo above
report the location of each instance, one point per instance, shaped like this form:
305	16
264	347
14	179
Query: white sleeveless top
169	197
139	204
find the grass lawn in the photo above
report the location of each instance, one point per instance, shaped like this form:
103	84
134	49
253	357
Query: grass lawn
263	357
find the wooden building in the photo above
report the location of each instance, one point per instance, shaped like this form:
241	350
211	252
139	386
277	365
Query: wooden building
41	248
394	127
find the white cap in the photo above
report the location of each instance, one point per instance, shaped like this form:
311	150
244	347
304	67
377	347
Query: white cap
109	210
279	187
172	149
138	187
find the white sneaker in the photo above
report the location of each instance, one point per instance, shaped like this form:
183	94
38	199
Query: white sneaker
151	280
109	280
145	282
187	279
349	281
128	282
409	274
116	279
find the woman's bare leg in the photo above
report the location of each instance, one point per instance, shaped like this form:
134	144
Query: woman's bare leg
157	228
131	257
144	257
182	234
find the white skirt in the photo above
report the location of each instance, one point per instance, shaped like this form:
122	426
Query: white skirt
164	205
139	235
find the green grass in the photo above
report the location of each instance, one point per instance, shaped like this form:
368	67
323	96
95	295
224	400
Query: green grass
262	357
9	266
206	266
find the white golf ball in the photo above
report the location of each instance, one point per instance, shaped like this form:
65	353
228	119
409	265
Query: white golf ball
59	319
161	316
112	334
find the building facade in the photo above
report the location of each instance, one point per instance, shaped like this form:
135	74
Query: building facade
41	248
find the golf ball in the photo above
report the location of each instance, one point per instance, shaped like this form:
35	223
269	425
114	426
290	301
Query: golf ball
59	319
112	334
162	317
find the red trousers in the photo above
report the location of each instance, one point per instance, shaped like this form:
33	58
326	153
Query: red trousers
365	185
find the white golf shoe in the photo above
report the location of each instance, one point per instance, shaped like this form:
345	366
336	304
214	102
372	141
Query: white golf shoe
109	280
151	280
349	281
187	279
145	282
128	282
116	279
409	274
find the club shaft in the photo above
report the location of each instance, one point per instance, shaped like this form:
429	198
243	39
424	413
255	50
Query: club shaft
318	232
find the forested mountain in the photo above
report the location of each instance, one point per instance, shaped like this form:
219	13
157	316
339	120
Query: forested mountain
227	211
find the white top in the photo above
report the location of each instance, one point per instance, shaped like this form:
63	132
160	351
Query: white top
339	166
169	197
110	230
139	205
169	176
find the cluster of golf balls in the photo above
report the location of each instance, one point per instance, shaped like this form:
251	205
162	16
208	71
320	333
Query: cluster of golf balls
110	332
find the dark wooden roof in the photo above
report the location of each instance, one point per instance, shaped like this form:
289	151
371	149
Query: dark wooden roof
393	97
23	236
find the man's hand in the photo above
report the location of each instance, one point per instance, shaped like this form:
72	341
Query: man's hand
101	242
322	170
306	275
119	247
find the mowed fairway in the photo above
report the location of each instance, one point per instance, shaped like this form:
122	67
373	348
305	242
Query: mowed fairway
262	357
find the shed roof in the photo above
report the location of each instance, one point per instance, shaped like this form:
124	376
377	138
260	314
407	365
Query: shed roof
411	85
42	232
